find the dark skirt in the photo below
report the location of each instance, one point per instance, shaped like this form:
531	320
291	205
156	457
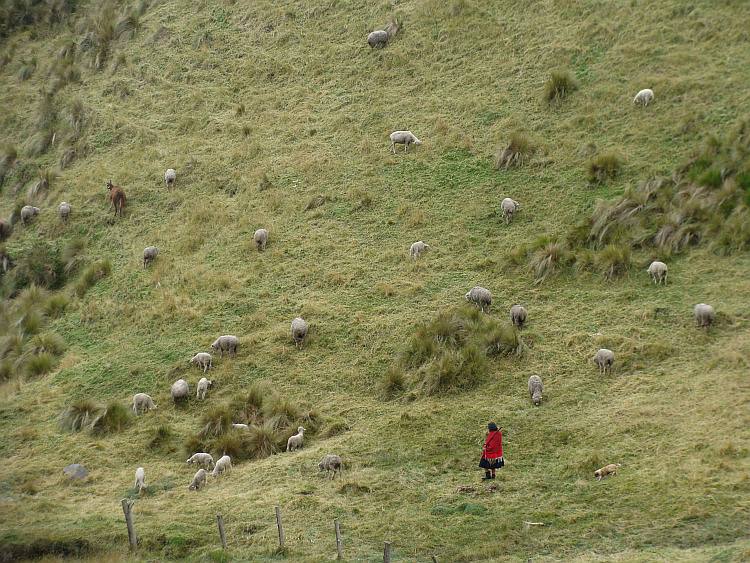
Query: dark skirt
497	463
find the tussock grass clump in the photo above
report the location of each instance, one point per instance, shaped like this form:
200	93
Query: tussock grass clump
281	412
502	339
55	305
115	418
550	256
40	265
51	343
516	153
27	70
79	415
39	364
39	189
71	253
93	274
8	157
162	439
613	261
264	440
393	383
604	167
560	84
216	421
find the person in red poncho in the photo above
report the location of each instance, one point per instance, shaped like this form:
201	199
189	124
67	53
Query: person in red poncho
492	454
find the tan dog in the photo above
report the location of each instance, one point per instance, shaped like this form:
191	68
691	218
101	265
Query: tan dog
610	469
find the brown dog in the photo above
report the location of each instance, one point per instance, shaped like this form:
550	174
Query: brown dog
610	469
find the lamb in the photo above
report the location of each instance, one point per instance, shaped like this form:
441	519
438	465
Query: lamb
480	296
203	360
203	386
63	211
331	463
116	197
535	389
518	316
144	401
509	207
705	315
149	255
140	479
644	97
169	177
224	464
27	212
382	37
240	426
417	248
180	391
295	442
201	458
198	479
604	359
227	343
299	332
403	138
261	238
658	270
610	469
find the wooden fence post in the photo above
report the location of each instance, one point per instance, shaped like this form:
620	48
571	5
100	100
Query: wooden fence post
281	530
220	518
338	537
127	508
387	552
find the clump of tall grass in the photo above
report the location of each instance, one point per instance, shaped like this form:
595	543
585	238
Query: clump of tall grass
8	157
79	415
161	439
560	84
93	274
114	418
68	155
393	383
502	339
516	153
216	421
264	440
55	305
51	343
27	69
40	265
39	364
231	444
39	189
550	256
613	261
281	412
604	167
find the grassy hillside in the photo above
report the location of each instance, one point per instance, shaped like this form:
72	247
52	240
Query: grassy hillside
277	115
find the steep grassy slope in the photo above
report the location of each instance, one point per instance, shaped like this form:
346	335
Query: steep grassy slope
277	115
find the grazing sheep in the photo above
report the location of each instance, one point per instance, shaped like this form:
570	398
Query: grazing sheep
299	332
705	315
140	479
480	296
382	37
149	255
331	463
198	479
295	442
403	138
203	360
169	177
116	197
417	249
203	386
509	207
180	391
240	426
144	401
610	469
644	97
27	212
658	270
201	458
518	316
4	230
604	359
535	389
227	343
261	238
63	211
224	464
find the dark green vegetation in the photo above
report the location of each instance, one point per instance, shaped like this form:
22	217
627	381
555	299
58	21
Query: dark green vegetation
277	115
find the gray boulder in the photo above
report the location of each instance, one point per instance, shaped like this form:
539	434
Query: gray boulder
76	471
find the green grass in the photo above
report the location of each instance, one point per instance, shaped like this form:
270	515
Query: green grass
277	116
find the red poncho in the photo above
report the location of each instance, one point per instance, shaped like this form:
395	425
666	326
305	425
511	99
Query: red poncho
493	447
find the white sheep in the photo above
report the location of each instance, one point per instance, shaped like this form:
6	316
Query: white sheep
240	426
331	463
169	177
261	238
535	389
705	315
479	296
203	360
658	271
140	479
63	211
198	479
644	97
508	207
149	255
299	332
227	343
201	458
144	401
180	391
224	464
295	442
203	386
604	358
518	316
405	138
377	38
417	249
27	212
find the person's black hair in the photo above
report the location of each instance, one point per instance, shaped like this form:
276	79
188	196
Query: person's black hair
492	426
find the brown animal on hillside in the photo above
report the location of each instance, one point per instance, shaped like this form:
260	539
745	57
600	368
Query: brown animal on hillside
610	469
4	230
116	197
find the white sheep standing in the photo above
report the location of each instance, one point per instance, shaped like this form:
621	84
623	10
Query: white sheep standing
180	391
658	271
331	463
169	177
479	296
508	207
198	479
63	211
27	212
417	249
705	315
535	389
644	97
203	360
227	343
149	255
203	386
261	238
604	358
224	464
140	479
518	316
299	331
405	138
201	458
144	402
295	442
382	37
